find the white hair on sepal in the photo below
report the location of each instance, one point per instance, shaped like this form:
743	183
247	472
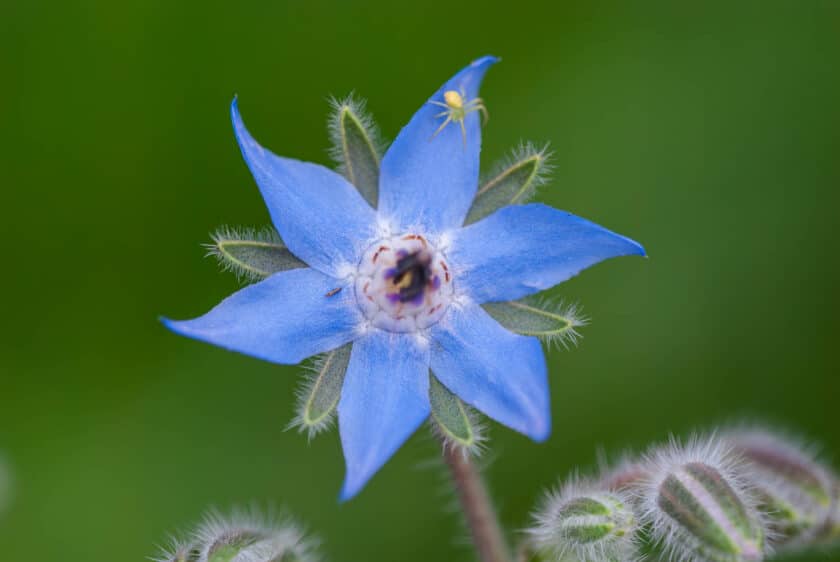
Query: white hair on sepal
289	539
218	530
787	471
478	426
313	368
554	321
715	454
568	515
226	234
627	473
358	107
176	550
259	536
570	311
523	151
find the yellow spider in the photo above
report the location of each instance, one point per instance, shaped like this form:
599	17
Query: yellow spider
457	110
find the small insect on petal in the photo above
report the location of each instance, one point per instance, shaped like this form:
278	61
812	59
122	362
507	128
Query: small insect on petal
453	99
456	110
333	292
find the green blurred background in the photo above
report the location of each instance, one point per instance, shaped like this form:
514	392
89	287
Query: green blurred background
709	132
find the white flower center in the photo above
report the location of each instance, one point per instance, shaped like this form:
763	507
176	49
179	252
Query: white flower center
403	284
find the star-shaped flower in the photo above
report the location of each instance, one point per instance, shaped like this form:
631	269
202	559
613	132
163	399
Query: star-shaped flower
404	281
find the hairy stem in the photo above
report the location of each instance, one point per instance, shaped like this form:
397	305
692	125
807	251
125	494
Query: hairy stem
478	509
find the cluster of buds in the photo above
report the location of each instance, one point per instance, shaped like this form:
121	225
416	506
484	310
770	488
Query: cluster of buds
245	536
743	495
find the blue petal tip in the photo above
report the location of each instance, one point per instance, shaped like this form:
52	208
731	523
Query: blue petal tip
348	492
542	435
640	250
171	325
486	59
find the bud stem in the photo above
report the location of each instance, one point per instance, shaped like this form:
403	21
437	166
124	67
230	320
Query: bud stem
477	506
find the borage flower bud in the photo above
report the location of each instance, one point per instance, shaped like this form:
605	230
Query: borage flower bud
586	524
627	475
698	505
243	537
829	533
793	489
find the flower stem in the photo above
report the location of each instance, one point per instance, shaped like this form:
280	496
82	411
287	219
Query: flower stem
478	509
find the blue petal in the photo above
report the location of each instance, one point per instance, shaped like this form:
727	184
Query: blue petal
496	371
320	216
520	250
283	319
384	399
430	182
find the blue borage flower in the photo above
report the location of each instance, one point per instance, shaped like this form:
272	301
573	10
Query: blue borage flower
404	282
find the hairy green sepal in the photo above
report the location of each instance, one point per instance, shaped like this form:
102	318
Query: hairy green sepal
356	146
513	183
717	519
252	254
531	317
319	398
451	416
224	553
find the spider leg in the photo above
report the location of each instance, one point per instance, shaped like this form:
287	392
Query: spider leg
485	115
477	104
440	103
441	114
463	133
444	124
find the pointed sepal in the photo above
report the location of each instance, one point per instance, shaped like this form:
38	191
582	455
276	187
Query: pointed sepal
356	145
251	254
454	421
319	396
552	322
513	182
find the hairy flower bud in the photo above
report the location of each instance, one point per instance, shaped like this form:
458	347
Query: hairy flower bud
243	537
699	507
792	488
627	475
586	524
829	534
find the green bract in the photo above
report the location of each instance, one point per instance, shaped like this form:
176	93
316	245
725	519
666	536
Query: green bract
454	420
